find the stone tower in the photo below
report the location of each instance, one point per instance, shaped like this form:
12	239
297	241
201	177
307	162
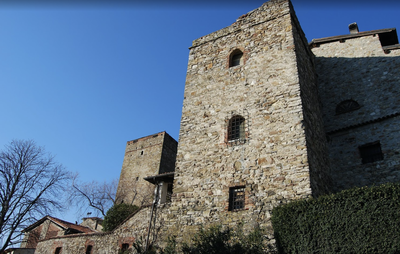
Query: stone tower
251	131
147	156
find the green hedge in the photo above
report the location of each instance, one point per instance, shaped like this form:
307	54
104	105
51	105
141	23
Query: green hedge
359	220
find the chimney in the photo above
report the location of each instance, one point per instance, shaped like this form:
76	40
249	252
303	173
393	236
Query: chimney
353	27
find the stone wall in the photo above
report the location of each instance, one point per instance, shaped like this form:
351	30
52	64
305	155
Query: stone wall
283	154
94	223
144	157
358	69
319	167
45	230
272	164
133	229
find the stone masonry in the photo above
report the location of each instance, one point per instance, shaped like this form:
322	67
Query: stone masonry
278	161
150	155
267	118
359	67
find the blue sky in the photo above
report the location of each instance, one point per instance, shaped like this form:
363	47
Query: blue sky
83	79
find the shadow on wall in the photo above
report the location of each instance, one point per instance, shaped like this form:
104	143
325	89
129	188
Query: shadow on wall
361	110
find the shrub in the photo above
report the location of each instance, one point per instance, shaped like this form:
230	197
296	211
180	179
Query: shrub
359	220
216	240
116	215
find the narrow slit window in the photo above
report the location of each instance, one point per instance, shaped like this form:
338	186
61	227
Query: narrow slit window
58	250
169	192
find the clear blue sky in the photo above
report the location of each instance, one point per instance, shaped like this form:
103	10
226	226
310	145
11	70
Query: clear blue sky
83	79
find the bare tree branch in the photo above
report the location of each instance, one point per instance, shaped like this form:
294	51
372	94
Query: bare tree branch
98	196
30	186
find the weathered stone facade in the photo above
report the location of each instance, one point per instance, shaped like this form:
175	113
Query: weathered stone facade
357	68
133	229
94	223
267	118
278	103
150	155
50	227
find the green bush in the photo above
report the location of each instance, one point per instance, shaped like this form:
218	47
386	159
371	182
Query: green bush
117	214
359	220
216	240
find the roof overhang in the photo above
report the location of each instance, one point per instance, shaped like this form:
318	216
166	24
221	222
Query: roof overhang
389	37
166	177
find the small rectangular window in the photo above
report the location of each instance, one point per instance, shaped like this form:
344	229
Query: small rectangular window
236	198
371	152
125	246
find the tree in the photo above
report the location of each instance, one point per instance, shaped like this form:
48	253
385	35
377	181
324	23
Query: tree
117	214
99	196
30	186
102	196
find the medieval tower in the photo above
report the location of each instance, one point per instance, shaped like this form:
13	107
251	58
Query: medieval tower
147	156
267	118
251	131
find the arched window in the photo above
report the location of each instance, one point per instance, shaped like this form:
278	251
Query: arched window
89	249
346	106
124	247
236	58
236	129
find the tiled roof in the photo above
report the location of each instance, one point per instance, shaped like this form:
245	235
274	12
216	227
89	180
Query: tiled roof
68	225
64	224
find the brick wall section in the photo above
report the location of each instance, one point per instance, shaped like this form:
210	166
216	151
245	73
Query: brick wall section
144	157
359	69
273	164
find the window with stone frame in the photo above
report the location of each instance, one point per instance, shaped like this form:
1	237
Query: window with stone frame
371	152
236	129
124	247
58	250
89	249
236	198
236	58
347	106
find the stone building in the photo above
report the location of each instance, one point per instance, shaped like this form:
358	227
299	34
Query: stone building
151	155
49	227
267	118
359	81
